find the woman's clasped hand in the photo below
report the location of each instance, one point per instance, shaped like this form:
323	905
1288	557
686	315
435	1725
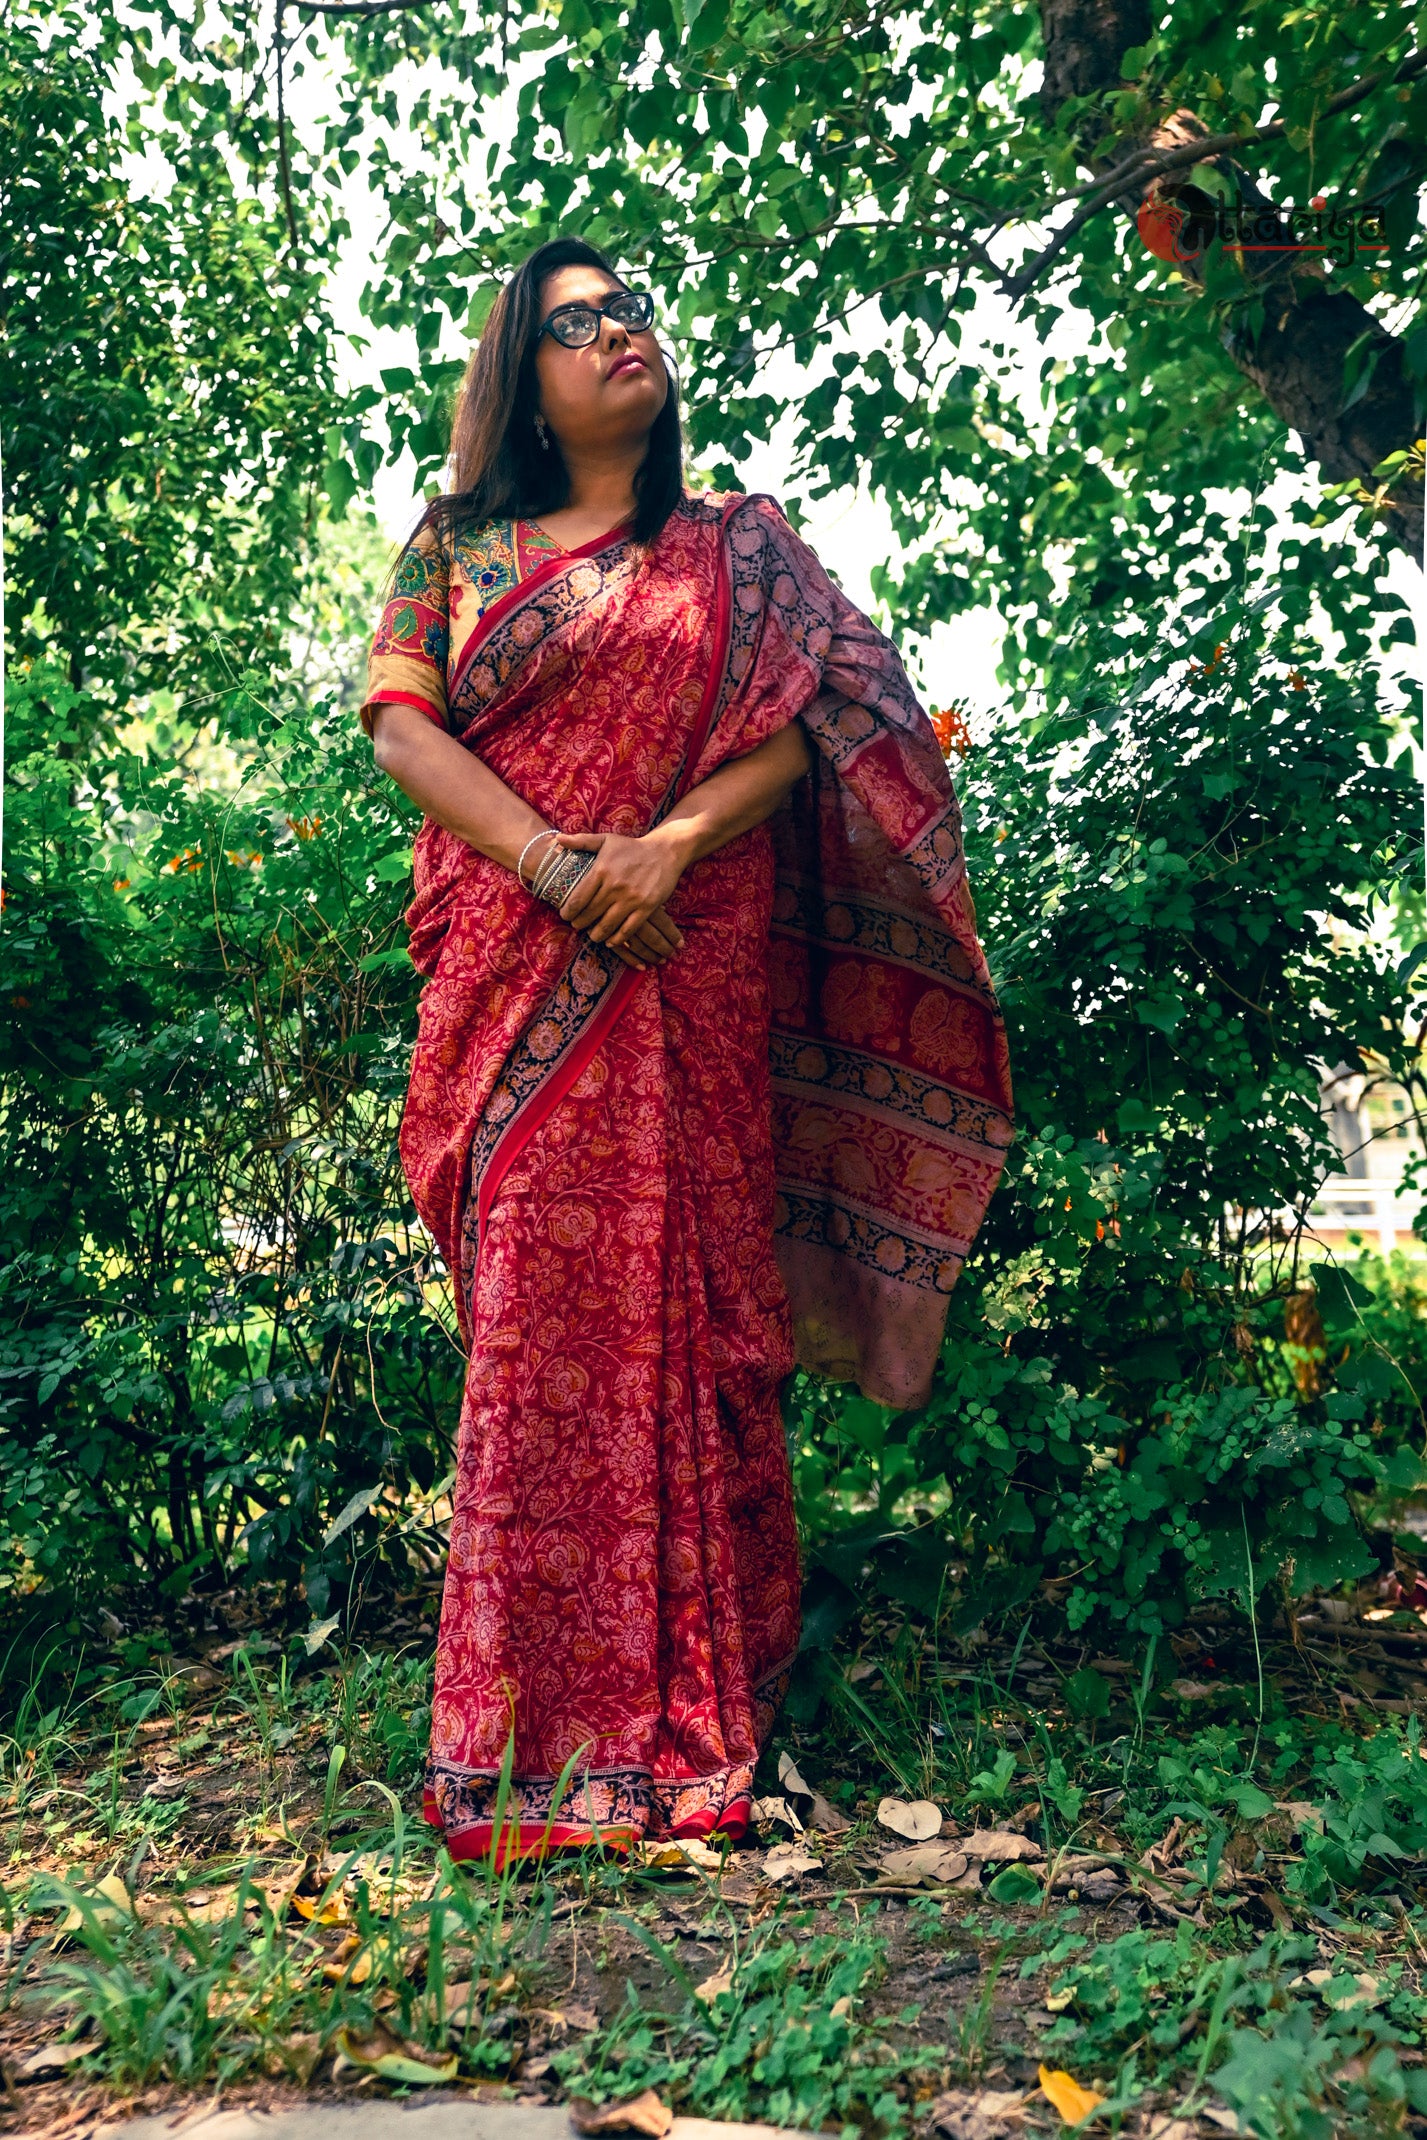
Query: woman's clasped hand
620	899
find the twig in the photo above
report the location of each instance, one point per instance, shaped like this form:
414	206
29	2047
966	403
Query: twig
284	161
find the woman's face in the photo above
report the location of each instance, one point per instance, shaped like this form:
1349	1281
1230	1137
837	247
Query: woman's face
609	393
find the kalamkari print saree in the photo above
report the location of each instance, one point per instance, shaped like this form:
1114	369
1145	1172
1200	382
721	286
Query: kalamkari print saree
658	1191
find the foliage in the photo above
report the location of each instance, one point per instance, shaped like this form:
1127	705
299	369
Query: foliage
214	1327
252	1961
199	1995
221	1345
166	364
869	191
781	2043
217	1323
1307	2066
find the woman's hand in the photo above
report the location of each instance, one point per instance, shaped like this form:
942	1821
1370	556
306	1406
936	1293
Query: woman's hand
620	901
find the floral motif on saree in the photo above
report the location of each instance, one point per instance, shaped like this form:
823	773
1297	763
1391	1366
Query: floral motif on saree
657	1190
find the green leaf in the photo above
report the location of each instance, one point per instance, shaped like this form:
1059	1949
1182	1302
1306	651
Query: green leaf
1087	1694
1014	1884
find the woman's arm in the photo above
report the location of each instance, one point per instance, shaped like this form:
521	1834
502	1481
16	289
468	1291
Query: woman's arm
633	878
451	785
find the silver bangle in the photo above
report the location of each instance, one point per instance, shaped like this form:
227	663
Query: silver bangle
547	834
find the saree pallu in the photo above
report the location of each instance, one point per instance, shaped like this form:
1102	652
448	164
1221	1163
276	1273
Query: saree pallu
657	1191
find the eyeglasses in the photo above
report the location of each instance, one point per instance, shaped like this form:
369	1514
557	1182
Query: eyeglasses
576	326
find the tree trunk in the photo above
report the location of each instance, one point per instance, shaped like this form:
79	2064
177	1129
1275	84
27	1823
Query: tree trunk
1297	355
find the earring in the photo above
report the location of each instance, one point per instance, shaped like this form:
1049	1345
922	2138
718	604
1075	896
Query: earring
542	434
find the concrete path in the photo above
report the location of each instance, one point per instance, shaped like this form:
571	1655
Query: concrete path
414	2120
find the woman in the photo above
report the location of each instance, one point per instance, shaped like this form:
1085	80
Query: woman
709	1078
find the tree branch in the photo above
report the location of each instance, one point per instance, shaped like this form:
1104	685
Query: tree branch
284	158
357	7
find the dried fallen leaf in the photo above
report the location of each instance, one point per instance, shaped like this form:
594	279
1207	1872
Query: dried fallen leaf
777	1809
676	1853
917	1819
1302	1812
1071	2100
300	2055
785	1861
581	2017
461	2002
386	2055
108	1899
1190	1690
926	1864
826	1818
702	1854
977	2114
790	1778
711	1988
1344	1993
279	1890
999	1846
643	2113
51	2059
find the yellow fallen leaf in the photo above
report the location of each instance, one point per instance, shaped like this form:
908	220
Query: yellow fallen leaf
317	1912
393	2060
107	1899
351	1963
1069	2098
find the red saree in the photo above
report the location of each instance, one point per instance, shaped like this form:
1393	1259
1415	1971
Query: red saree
657	1191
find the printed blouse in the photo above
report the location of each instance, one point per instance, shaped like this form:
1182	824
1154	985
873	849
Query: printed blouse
441	589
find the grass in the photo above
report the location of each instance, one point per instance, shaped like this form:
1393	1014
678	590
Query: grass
214	1881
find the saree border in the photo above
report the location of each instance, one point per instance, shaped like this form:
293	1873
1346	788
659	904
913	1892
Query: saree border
522	590
635	1805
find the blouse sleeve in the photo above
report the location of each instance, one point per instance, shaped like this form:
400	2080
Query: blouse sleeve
407	663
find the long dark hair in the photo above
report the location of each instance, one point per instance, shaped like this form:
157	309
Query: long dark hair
499	469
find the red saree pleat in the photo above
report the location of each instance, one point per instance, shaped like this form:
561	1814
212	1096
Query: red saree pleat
623	1576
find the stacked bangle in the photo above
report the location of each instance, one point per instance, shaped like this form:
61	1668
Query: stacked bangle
557	873
547	834
560	872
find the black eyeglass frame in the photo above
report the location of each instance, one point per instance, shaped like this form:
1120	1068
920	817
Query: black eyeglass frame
641	298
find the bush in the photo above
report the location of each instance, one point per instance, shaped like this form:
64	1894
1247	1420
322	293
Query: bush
1178	874
222	1342
218	1320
